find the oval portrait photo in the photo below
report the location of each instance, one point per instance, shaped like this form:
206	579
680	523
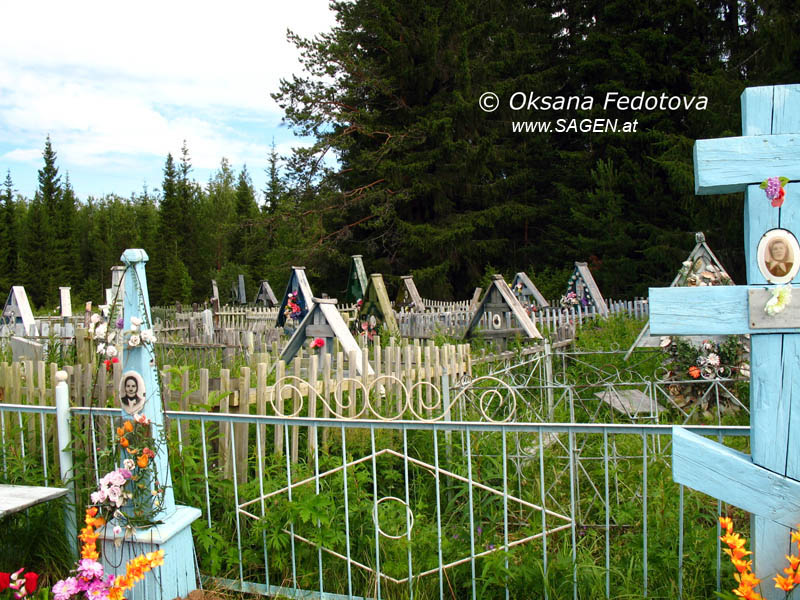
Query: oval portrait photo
131	392
778	253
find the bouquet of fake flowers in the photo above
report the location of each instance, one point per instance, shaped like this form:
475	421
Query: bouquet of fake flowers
18	584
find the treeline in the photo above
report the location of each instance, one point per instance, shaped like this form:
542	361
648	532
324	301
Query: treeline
425	181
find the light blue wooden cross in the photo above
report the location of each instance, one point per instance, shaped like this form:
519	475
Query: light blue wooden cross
766	484
177	576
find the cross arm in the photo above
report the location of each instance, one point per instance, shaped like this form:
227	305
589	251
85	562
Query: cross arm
727	165
719	310
731	476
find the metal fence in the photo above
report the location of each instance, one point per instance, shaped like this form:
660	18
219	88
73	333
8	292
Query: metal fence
486	506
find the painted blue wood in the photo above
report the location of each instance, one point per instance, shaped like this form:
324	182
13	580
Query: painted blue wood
731	476
709	310
724	166
770	147
177	577
298	282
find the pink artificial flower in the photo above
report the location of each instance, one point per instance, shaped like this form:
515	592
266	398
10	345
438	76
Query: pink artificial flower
317	343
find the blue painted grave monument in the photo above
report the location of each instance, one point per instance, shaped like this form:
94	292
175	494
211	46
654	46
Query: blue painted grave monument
172	533
767	482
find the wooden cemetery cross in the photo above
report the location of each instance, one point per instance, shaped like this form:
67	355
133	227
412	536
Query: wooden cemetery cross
765	483
177	575
409	294
266	296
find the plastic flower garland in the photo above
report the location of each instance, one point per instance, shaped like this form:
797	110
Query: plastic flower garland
90	579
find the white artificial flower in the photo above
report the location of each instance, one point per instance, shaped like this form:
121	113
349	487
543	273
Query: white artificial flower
129	464
135	322
134	341
101	348
713	360
781	298
148	337
111	351
94	318
100	331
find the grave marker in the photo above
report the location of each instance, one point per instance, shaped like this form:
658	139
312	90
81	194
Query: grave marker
701	268
765	483
526	292
324	321
582	283
265	296
507	318
408	296
177	576
376	308
356	280
66	302
298	284
17	313
238	292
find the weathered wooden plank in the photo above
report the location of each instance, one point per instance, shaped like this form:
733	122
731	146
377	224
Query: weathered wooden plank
728	165
711	310
711	468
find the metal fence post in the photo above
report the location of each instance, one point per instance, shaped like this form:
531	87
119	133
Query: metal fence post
65	458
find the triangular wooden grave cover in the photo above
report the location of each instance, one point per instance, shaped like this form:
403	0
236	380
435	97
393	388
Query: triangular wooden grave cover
298	282
526	291
17	313
503	309
583	284
701	268
376	304
324	321
356	280
265	295
408	296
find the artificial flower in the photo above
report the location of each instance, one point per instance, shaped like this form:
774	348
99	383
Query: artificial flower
784	583
5	579
134	341
317	343
111	351
148	337
694	371
774	190
781	298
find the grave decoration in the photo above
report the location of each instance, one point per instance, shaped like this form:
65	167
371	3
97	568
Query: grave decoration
297	300
766	483
701	268
17	313
356	280
506	317
527	293
408	297
582	291
322	324
375	310
139	492
265	296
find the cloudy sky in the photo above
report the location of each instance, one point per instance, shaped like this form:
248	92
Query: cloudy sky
118	86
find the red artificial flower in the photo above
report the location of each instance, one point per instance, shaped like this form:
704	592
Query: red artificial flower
318	343
31	581
694	371
777	201
5	580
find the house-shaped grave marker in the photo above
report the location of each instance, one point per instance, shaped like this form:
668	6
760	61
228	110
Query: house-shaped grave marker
17	313
766	483
376	308
298	291
701	268
266	297
408	296
583	285
356	280
238	292
324	321
526	292
505	316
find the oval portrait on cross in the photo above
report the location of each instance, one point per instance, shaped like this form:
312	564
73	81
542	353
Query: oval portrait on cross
131	392
778	253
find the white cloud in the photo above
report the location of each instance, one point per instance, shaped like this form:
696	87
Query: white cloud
109	81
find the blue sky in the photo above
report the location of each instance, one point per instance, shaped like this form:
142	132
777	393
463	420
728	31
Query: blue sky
118	86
